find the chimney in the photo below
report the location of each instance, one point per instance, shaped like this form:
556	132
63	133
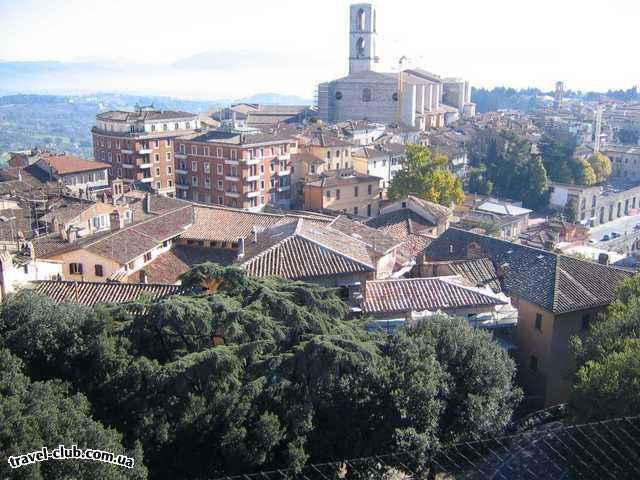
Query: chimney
71	235
240	248
501	271
115	220
143	277
147	203
603	259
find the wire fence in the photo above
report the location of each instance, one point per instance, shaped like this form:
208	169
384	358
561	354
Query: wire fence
601	450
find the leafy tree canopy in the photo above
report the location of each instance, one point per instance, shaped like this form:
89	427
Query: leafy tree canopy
426	176
607	382
247	374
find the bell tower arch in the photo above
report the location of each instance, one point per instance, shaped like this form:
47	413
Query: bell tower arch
362	37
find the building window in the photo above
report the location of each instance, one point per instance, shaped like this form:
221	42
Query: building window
338	194
368	210
99	271
194	181
147	257
153	128
328	155
194	166
206	151
355	210
533	363
194	150
369	189
338	95
538	324
169	170
355	191
234	154
207	167
328	194
220	185
168	141
75	269
156	143
366	94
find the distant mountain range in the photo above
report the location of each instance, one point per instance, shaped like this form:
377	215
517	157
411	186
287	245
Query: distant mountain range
209	75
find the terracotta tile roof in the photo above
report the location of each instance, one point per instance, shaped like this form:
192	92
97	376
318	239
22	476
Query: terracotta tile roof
378	240
230	224
407	227
303	249
555	282
144	115
223	224
65	164
337	178
126	244
306	156
92	293
166	268
478	271
419	294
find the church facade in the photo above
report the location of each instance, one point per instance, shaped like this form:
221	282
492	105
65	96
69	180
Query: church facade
412	97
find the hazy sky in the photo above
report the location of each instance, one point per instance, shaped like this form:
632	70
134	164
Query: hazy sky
589	44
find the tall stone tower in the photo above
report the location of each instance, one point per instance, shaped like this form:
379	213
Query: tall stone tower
362	38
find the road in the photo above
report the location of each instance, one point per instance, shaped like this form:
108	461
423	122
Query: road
624	225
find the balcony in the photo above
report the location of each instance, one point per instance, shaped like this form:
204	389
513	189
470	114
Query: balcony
146	179
181	171
231	162
126	152
127	165
282	173
182	156
145	151
182	186
254	161
252	178
253	194
232	194
231	178
285	157
145	165
284	188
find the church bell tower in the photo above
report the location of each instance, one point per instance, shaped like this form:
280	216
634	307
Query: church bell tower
362	37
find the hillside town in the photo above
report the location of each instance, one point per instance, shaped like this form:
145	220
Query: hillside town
391	192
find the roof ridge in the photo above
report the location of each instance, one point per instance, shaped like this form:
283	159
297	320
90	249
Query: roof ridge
316	242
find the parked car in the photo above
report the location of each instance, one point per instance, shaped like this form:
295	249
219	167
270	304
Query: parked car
606	237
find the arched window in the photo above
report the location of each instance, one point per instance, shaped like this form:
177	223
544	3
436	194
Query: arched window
366	94
360	47
360	20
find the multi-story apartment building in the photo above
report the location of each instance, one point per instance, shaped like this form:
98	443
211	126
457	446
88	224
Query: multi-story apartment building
139	145
234	169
